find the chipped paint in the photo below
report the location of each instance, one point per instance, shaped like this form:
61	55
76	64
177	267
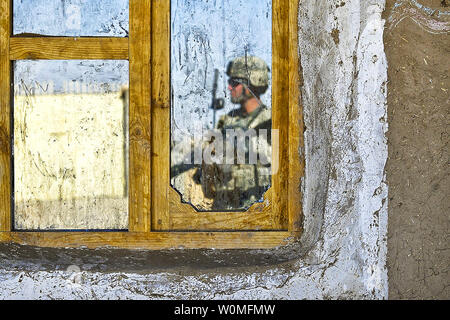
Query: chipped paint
434	21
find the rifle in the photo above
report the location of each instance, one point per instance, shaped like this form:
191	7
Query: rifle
216	104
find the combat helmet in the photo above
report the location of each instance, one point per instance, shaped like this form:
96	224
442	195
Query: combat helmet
250	68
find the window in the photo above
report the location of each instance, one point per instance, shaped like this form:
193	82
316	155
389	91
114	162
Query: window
152	208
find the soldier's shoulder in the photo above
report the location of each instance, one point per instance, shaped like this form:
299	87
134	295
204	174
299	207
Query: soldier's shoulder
230	116
264	116
234	113
265	113
226	119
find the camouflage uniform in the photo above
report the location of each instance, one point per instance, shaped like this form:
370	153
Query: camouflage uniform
238	186
234	186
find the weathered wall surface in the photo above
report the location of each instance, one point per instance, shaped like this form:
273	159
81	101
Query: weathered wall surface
417	46
343	251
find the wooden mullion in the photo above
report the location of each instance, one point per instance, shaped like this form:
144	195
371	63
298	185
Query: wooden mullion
83	48
5	112
280	112
296	141
140	120
161	114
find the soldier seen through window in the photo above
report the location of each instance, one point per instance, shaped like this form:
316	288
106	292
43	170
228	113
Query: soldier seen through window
239	184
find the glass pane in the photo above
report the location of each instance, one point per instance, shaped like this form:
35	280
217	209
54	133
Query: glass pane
70	145
107	18
221	89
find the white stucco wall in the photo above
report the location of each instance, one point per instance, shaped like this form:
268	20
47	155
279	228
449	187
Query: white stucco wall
342	253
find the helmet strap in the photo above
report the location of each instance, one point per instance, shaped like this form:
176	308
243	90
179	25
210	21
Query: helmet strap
252	94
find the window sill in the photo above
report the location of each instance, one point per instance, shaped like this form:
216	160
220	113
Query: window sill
153	240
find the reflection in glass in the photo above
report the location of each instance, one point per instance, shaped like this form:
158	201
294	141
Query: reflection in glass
107	18
220	110
70	145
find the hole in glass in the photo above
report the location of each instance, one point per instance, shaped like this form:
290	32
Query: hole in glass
221	119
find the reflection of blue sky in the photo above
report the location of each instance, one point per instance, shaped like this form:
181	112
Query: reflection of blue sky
61	17
103	74
206	35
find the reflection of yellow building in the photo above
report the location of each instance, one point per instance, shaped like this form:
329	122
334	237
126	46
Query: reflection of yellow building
70	162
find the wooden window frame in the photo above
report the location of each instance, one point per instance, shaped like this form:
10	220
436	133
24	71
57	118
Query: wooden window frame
153	223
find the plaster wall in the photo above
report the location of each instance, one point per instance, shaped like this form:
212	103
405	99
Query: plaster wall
342	253
417	46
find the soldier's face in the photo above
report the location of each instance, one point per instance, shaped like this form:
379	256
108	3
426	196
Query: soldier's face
237	92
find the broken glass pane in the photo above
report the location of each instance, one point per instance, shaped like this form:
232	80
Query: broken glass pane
221	56
108	18
70	145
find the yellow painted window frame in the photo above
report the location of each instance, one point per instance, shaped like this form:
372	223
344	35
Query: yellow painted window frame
157	218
